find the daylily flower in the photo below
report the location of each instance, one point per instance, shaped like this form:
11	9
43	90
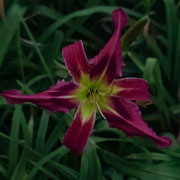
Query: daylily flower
95	87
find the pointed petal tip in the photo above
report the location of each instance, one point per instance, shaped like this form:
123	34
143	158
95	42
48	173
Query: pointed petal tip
122	15
76	60
8	93
77	43
108	64
125	115
164	142
51	99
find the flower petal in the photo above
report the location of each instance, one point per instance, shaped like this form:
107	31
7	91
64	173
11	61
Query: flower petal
132	89
125	115
108	63
76	60
57	98
77	135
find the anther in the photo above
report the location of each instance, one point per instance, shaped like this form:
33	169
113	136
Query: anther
96	91
89	93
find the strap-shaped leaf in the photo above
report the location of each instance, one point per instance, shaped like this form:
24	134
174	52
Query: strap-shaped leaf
131	34
90	164
6	33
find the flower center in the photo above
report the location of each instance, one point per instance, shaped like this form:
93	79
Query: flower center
93	94
92	91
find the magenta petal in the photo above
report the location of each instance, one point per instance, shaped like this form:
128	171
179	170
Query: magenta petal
108	63
57	98
77	135
126	116
133	89
76	60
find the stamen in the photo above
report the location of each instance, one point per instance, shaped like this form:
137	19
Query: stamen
100	110
89	93
93	94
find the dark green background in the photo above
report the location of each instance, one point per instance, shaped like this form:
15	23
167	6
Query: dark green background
31	38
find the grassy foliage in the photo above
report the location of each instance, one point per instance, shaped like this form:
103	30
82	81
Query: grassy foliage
32	34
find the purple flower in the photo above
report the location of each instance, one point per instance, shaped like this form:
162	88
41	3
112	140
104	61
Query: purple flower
95	87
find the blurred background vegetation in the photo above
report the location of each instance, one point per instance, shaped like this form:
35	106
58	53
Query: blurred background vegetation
32	34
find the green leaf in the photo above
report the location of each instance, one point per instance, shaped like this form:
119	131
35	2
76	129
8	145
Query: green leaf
172	32
41	57
26	132
6	34
136	60
42	131
152	73
66	171
19	171
48	12
36	79
175	109
90	164
54	137
60	151
65	19
14	137
2	101
34	156
24	87
49	174
3	171
55	45
140	170
113	174
149	69
131	34
176	76
154	156
148	3
31	126
73	25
